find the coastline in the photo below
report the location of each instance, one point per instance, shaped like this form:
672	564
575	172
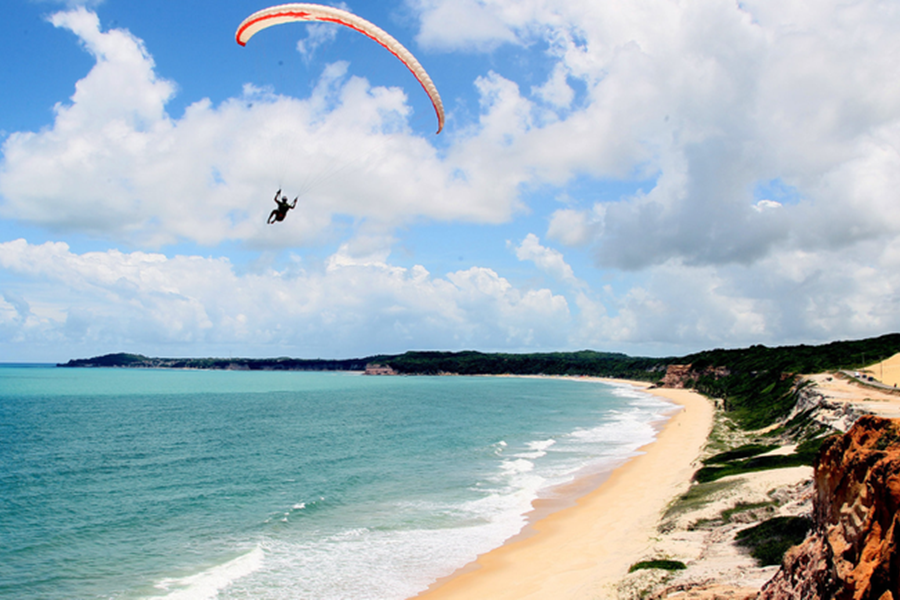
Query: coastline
585	548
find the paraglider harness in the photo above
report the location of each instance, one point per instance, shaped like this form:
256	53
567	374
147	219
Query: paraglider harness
278	214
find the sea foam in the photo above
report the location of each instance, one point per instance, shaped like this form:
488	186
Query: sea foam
207	584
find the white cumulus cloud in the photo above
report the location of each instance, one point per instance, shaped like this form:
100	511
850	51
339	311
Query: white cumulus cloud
697	106
103	299
547	260
115	163
707	100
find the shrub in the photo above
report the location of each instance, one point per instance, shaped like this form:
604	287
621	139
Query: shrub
769	540
668	565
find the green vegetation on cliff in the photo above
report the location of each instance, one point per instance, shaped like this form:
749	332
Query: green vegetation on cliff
760	385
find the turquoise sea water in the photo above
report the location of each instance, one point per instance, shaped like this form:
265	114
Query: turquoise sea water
217	484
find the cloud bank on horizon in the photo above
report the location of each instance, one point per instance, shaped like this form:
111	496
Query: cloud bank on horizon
680	177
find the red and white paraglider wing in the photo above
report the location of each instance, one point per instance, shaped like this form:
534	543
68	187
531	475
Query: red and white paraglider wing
288	13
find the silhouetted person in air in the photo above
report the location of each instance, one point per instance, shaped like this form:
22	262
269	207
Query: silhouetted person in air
281	211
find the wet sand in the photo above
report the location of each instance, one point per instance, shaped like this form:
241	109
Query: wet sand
581	551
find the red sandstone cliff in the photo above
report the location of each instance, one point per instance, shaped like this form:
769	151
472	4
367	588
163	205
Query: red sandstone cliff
853	550
378	369
677	376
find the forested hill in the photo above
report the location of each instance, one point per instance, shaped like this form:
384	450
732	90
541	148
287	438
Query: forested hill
753	360
414	363
139	361
800	359
585	362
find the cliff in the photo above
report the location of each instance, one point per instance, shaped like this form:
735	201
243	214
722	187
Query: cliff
852	552
813	402
379	369
681	376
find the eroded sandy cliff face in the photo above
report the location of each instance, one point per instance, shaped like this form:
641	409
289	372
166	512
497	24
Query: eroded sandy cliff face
852	552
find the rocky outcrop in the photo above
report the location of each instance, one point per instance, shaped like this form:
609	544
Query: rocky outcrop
852	552
839	416
379	369
680	376
676	376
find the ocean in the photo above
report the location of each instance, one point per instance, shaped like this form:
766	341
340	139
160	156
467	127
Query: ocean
129	484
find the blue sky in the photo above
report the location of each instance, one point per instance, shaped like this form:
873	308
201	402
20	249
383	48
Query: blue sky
641	176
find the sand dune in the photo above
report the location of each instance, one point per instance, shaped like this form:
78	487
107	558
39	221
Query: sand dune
887	371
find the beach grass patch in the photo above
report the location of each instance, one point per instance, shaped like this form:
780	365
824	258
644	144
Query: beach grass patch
795	426
698	496
667	565
769	540
745	451
726	515
717	467
744	507
707	474
701	524
725	434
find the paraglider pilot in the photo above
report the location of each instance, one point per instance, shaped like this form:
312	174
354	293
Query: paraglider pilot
278	214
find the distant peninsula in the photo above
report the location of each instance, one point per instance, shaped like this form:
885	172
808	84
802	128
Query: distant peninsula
719	372
585	362
139	361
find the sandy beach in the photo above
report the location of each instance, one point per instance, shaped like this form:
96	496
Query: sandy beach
583	550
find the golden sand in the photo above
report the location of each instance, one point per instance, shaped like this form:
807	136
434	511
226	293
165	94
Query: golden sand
583	550
887	371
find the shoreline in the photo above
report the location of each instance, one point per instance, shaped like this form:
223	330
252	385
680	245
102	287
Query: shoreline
581	544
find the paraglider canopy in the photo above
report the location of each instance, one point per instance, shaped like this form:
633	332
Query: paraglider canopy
288	13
